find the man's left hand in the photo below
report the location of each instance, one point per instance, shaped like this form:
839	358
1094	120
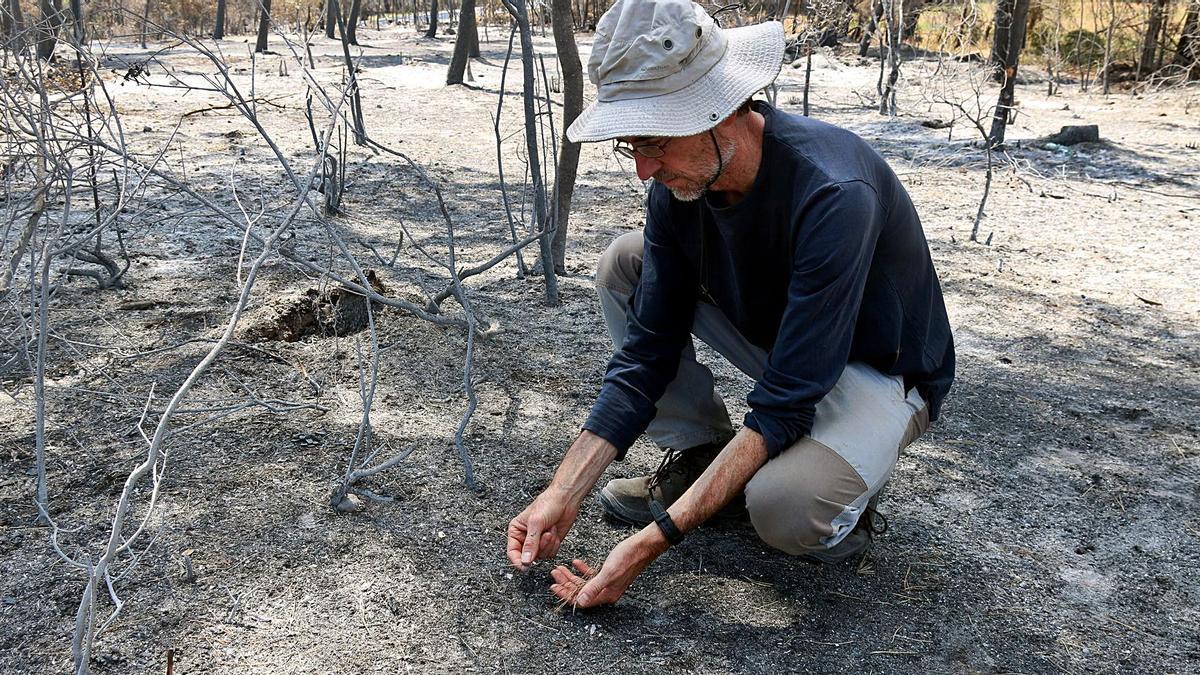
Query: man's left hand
620	568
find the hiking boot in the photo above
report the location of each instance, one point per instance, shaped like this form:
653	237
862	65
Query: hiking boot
627	500
860	539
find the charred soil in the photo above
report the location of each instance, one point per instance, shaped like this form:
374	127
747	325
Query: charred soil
1047	523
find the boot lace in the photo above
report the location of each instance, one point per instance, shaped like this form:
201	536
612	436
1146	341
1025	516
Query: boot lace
874	521
669	466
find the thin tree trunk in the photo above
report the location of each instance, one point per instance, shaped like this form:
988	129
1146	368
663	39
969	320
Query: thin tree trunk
356	114
987	189
462	43
433	19
48	28
219	28
869	29
1108	45
1010	55
521	269
352	22
807	78
1051	52
145	18
895	39
6	24
521	16
264	24
330	18
568	159
77	22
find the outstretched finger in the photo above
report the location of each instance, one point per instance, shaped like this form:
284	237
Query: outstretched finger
563	576
567	586
567	592
584	568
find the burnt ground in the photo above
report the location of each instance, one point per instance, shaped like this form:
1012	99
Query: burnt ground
1046	524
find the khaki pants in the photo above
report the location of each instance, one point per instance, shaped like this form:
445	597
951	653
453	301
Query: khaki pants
808	498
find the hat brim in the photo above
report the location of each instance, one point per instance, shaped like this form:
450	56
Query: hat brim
752	61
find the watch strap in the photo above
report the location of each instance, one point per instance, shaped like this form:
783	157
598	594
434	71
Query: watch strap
664	522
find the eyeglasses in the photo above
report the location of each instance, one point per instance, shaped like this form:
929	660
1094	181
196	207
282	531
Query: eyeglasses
649	150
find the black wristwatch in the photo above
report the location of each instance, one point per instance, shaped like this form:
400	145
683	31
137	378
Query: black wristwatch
664	522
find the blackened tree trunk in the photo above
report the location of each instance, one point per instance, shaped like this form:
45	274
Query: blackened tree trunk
473	48
264	24
869	30
77	22
895	41
568	158
433	17
1009	35
356	115
48	28
219	28
6	23
1150	41
352	22
1187	54
462	43
330	18
520	13
145	19
1010	17
1106	68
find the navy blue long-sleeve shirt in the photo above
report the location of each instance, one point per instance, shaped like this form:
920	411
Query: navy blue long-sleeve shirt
823	262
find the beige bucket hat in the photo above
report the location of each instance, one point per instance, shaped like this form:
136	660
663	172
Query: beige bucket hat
665	68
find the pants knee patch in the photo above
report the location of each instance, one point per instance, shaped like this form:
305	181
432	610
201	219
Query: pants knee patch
620	266
795	498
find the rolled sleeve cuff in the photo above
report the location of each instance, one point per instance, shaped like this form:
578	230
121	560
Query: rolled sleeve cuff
619	416
780	433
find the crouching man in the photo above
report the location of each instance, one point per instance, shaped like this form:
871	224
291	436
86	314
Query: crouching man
790	248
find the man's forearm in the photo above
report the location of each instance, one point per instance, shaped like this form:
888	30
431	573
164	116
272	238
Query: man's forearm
581	467
721	481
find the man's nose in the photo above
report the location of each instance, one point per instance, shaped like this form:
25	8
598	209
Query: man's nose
646	166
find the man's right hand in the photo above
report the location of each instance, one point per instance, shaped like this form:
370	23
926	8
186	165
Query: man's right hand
538	531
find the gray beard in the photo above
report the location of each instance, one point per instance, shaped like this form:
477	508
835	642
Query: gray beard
688	195
692	194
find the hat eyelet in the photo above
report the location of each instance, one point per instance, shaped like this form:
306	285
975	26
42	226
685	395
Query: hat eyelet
713	116
699	31
667	44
